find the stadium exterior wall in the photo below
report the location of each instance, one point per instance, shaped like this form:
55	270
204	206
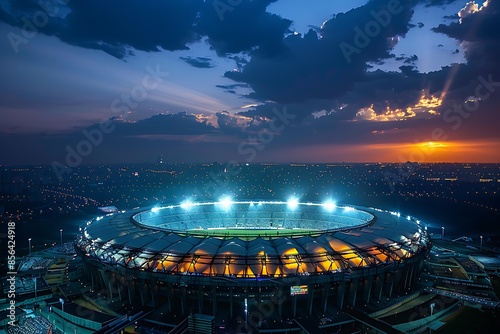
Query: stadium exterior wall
194	293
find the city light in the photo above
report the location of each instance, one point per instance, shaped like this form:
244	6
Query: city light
293	203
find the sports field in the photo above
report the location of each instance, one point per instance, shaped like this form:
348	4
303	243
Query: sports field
250	233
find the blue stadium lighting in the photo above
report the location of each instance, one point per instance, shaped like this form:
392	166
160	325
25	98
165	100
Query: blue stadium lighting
409	218
186	204
155	209
330	205
293	203
398	214
226	202
348	208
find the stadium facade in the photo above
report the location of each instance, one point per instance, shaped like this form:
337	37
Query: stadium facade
205	257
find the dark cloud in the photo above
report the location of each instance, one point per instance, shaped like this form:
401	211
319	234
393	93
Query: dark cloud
233	86
481	33
440	3
114	26
411	59
245	27
199	62
177	124
315	68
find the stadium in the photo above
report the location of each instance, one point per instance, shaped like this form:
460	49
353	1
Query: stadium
231	256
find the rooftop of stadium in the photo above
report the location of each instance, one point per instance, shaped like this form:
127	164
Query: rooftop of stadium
250	239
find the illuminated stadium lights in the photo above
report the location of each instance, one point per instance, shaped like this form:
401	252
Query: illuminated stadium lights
225	202
409	218
175	254
293	203
186	204
155	209
330	205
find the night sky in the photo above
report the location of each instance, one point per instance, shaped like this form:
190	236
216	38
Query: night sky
86	82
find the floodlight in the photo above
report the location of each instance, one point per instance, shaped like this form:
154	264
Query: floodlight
226	202
186	204
293	203
330	205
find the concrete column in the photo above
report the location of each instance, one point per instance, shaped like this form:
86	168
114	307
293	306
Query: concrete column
131	290
294	306
183	299
379	284
410	276
93	281
153	293
281	300
353	292
340	295
396	283
170	296
141	292
214	301
106	280
324	296
367	289
119	288
390	284
200	299
420	267
230	302
310	298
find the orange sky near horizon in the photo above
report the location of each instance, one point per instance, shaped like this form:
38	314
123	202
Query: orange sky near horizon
480	151
443	151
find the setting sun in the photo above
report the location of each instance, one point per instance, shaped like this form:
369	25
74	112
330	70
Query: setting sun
432	144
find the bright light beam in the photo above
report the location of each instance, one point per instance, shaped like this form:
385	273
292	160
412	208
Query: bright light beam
330	205
293	203
226	202
186	204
